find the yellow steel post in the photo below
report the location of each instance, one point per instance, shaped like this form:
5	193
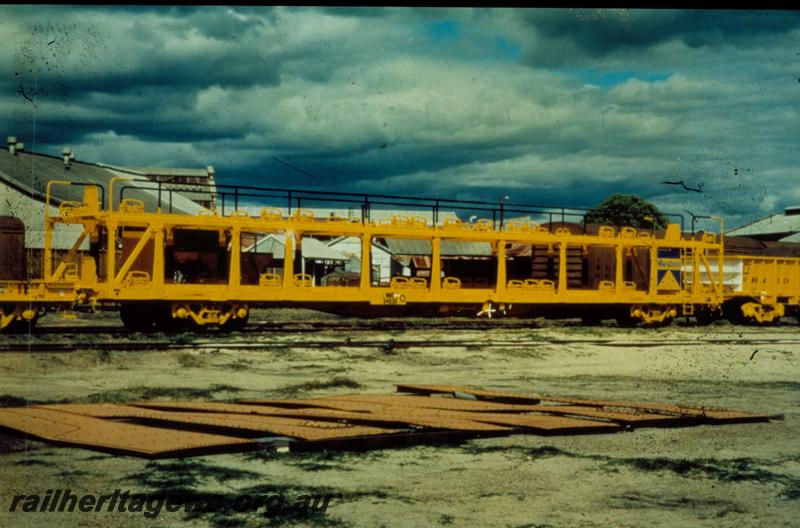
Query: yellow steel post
653	269
721	255
707	265
111	254
47	265
48	230
436	264
562	266
619	270
500	287
366	262
234	270
288	259
158	256
696	286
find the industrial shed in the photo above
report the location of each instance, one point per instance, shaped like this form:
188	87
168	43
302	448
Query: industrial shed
778	227
23	181
265	254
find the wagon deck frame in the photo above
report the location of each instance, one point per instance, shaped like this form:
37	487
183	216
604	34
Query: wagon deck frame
683	275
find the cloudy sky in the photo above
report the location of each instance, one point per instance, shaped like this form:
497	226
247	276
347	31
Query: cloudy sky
545	106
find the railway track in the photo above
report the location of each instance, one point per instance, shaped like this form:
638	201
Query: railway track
372	325
386	345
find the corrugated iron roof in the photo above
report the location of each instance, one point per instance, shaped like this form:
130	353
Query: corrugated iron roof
449	248
775	224
29	173
312	248
165	172
355	240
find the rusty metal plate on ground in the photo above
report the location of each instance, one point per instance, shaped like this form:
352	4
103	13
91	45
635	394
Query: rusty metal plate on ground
103	435
247	425
418	416
703	414
551	424
449	404
505	397
637	419
162	429
624	418
355	412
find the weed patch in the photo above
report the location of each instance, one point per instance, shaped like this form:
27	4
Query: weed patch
149	393
334	383
187	360
9	400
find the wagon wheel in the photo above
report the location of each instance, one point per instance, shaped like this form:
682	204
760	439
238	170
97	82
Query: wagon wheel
732	311
235	325
138	317
591	319
165	322
705	315
625	319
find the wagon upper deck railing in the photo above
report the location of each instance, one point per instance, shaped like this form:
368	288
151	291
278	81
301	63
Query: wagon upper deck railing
230	198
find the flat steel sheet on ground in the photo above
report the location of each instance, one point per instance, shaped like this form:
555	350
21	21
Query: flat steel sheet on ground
506	397
159	429
705	414
625	418
103	435
109	410
246	425
365	412
393	407
451	404
550	424
418	416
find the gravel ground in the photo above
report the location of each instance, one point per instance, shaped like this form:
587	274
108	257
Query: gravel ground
735	475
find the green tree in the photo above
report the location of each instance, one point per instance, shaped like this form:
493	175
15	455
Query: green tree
626	210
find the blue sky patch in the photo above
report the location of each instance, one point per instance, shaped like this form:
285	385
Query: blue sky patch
609	79
445	30
509	50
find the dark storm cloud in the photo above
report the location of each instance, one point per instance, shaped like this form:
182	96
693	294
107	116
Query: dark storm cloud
597	32
85	57
547	106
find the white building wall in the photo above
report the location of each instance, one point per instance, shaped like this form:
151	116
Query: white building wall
351	246
31	212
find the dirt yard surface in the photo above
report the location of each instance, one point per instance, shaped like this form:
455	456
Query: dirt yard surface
733	475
